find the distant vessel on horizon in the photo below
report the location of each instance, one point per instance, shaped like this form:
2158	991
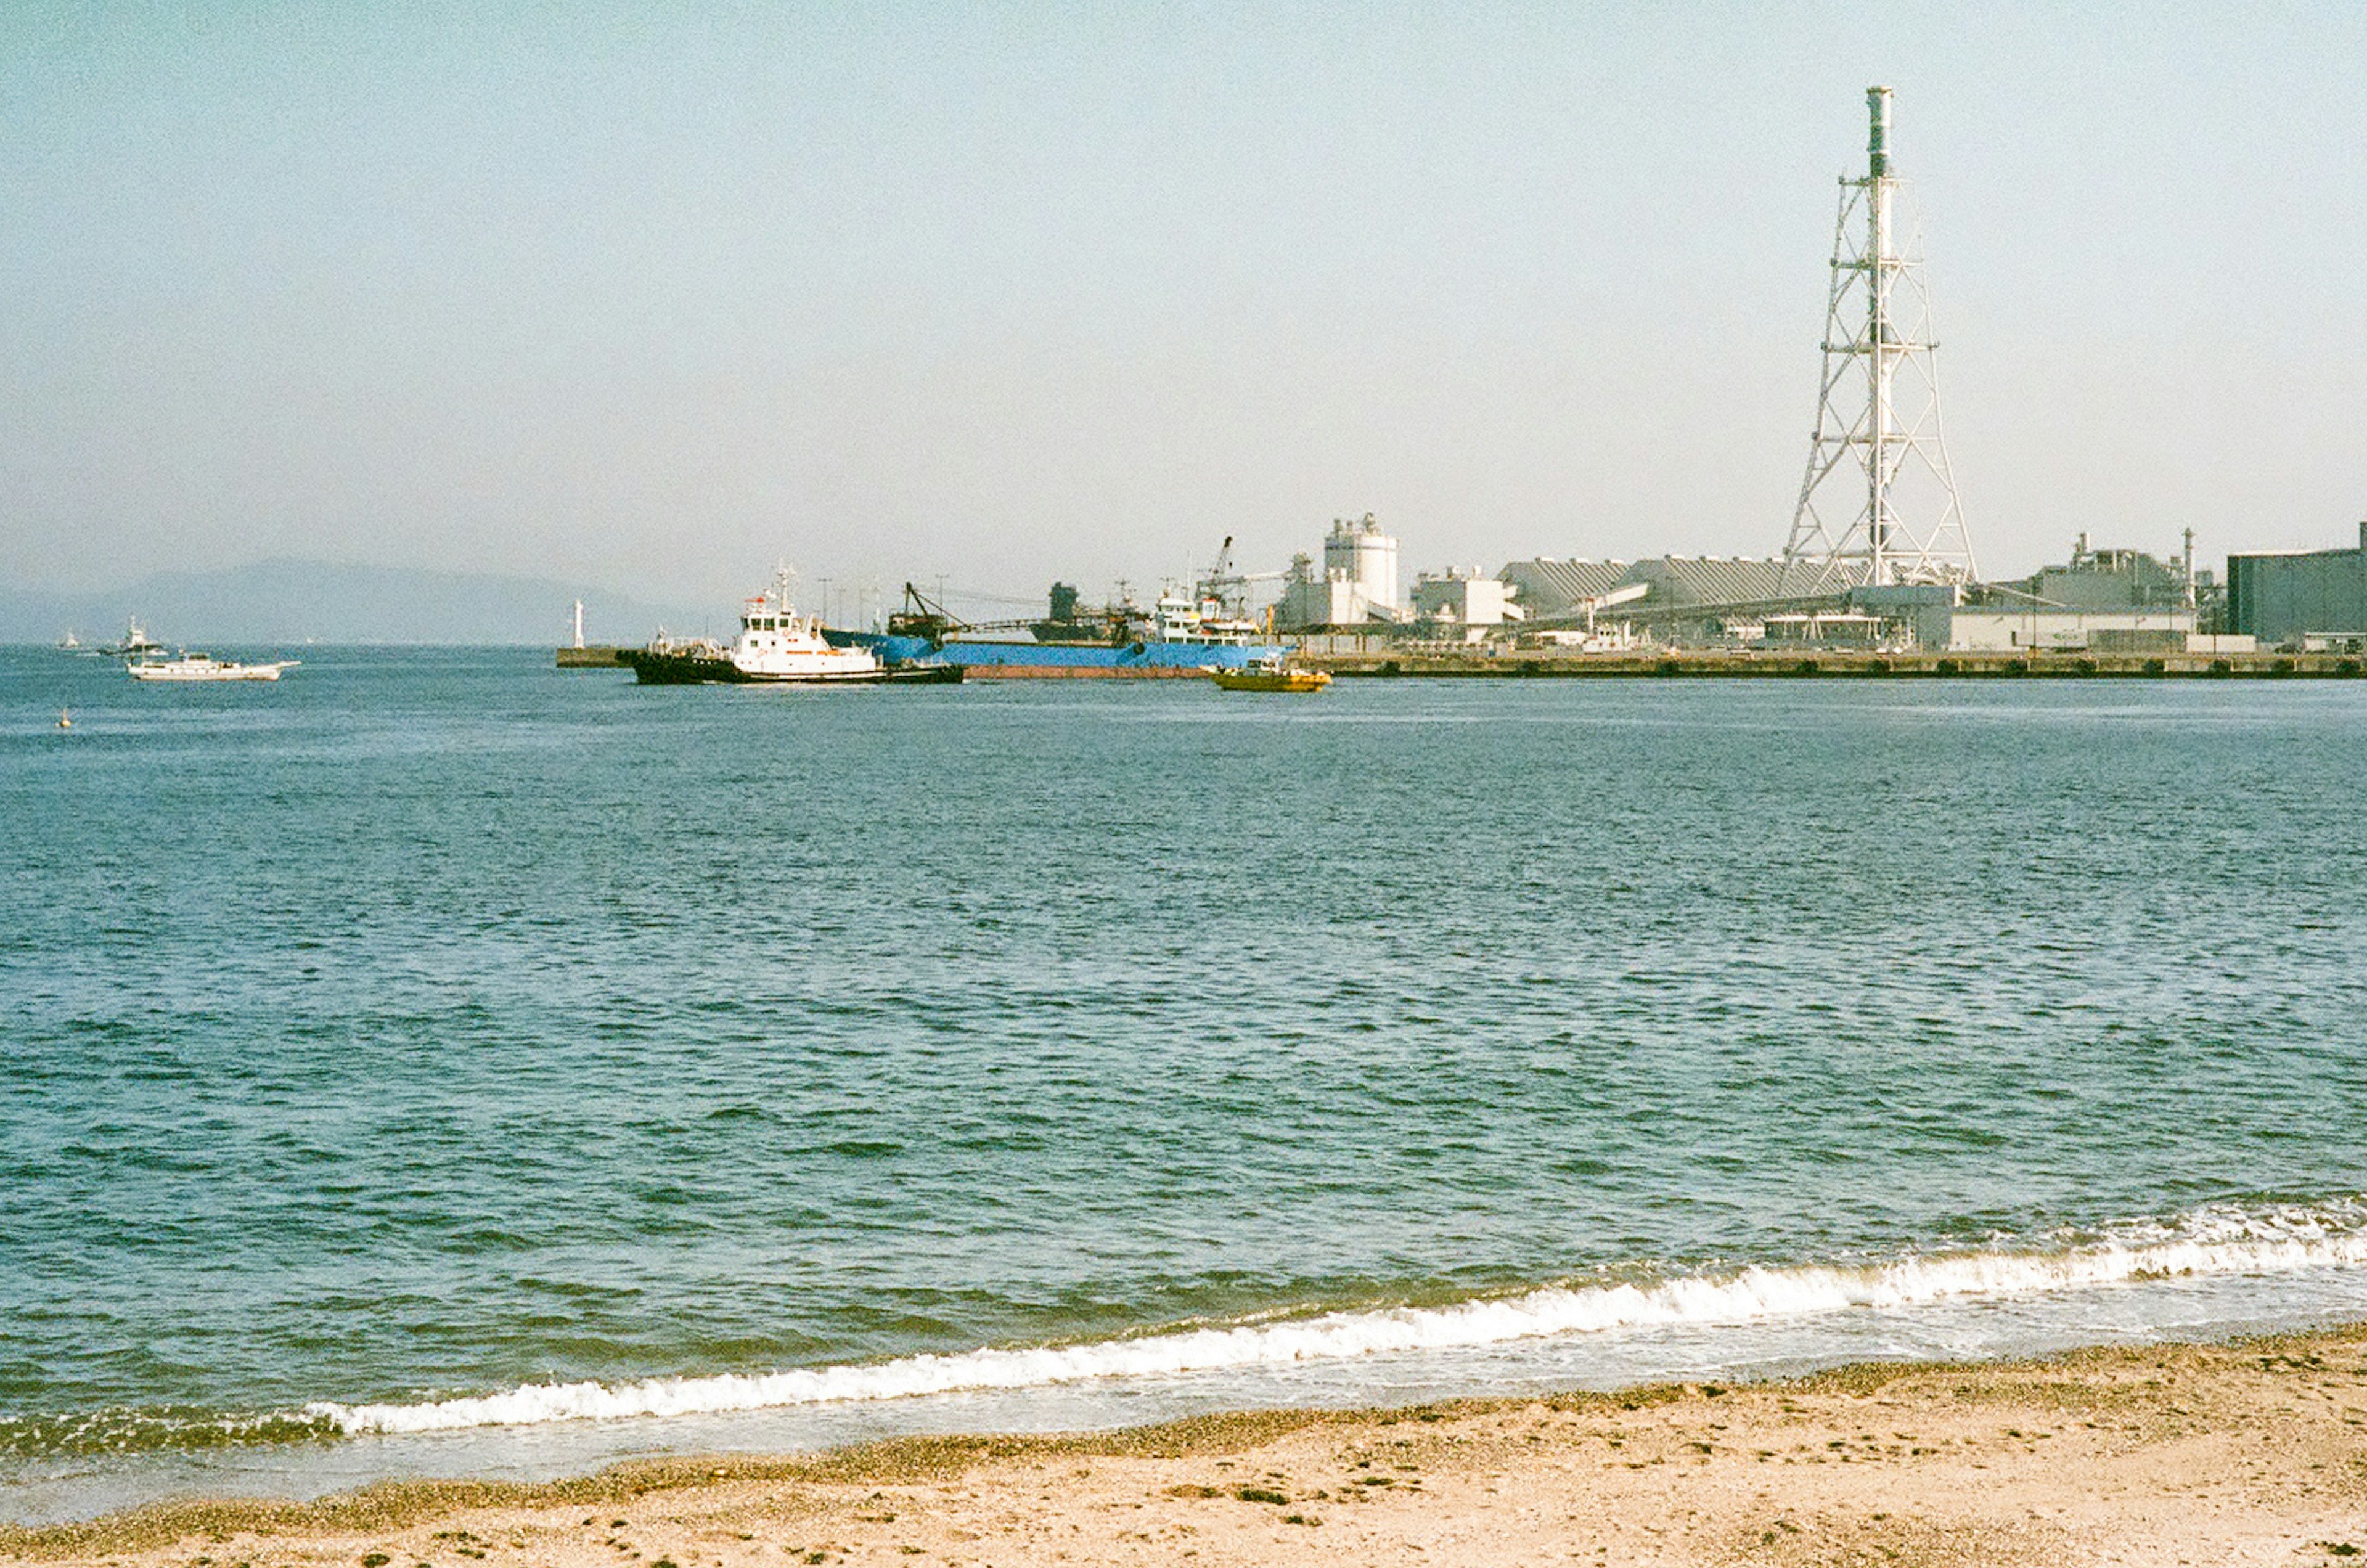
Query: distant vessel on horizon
136	644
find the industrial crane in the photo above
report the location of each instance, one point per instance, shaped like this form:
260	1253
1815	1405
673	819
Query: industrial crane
1231	589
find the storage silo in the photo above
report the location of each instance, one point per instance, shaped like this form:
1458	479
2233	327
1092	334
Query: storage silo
1359	553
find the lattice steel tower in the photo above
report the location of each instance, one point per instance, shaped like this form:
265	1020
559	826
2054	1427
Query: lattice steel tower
1877	460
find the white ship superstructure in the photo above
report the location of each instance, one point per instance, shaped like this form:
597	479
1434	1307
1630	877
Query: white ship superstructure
775	643
1182	618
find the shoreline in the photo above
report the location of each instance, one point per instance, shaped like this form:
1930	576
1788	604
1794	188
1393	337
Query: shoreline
2245	1450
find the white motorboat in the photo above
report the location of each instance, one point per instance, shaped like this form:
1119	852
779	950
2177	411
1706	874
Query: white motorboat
205	667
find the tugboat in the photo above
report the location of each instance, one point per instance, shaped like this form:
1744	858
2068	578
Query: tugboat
1270	674
775	647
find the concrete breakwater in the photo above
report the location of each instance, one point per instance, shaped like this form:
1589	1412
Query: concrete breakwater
1825	663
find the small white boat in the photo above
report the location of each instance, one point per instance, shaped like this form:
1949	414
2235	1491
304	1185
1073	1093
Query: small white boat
205	667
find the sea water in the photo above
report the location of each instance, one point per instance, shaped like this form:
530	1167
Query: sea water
439	1063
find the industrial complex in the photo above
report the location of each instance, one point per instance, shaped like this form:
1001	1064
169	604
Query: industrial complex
1879	559
1877	573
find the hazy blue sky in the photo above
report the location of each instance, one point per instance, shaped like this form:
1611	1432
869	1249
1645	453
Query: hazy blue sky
659	294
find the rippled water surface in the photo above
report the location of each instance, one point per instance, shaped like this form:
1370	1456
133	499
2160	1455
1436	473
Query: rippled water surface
434	1026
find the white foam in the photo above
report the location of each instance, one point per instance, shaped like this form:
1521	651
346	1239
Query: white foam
2211	1242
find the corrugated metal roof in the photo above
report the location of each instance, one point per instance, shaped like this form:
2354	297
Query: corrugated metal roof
1546	585
1706	579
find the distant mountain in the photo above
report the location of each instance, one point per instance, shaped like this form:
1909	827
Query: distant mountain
286	601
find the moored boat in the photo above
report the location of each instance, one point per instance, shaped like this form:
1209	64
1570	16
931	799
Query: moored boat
776	646
1183	635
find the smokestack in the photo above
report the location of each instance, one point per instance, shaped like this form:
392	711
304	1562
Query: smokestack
1877	135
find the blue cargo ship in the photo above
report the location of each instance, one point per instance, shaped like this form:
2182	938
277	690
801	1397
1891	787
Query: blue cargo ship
1180	636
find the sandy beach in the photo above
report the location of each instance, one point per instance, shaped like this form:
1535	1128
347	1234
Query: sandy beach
2251	1452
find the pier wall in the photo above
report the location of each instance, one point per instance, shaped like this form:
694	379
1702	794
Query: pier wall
1526	663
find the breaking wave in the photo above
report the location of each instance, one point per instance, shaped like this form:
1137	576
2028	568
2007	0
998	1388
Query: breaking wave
2209	1242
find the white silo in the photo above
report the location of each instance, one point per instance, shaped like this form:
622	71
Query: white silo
1359	553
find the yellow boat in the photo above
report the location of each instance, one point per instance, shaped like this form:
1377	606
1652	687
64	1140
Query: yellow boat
1270	675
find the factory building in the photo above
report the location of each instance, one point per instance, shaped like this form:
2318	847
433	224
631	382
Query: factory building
2033	626
2121	600
1466	599
1708	600
1359	581
2308	599
1682	599
2111	579
1547	586
2116	601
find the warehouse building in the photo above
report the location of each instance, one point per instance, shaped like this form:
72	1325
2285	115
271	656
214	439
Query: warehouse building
1702	600
2302	599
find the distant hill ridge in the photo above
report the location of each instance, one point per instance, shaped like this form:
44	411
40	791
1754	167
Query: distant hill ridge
286	601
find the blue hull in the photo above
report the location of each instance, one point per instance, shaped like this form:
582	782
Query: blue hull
1054	659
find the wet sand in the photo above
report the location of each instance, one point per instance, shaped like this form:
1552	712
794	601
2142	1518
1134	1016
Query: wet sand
2252	1452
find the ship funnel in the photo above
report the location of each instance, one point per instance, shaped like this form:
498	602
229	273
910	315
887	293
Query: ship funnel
1877	132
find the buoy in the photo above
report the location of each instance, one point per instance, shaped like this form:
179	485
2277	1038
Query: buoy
65	719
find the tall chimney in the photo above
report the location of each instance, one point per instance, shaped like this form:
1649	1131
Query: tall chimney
1877	134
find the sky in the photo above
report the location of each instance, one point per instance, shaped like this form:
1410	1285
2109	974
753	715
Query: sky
982	295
